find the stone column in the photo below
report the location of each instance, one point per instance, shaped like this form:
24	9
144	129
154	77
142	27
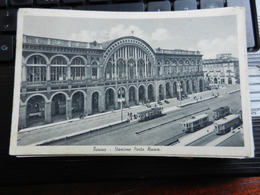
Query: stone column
24	74
156	92
127	98
116	72
22	116
164	91
136	70
191	91
69	72
145	69
146	94
85	105
48	72
88	105
47	112
127	72
171	90
137	96
68	108
184	88
88	71
102	106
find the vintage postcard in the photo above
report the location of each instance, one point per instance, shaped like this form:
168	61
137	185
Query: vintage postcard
137	84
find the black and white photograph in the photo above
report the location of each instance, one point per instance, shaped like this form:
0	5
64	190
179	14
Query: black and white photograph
139	84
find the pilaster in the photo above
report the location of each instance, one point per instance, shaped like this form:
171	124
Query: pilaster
47	112
68	109
22	116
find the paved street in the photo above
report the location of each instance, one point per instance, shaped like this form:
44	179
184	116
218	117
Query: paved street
42	133
154	131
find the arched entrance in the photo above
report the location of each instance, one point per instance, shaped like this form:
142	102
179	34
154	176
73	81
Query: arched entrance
77	104
95	102
201	85
151	96
132	96
161	93
141	92
188	87
58	107
182	87
229	81
35	112
110	99
168	90
194	86
175	92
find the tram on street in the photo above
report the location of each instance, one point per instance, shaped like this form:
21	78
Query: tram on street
195	123
227	124
150	114
221	112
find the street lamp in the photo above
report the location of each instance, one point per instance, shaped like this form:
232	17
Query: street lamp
121	99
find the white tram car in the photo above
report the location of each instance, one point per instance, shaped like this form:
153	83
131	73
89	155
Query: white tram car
226	124
196	123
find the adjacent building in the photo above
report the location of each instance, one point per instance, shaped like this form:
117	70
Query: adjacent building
223	70
62	79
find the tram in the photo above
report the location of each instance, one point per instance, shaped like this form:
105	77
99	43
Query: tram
196	123
150	114
227	124
221	112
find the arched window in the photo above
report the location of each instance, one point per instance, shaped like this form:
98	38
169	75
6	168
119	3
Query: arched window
131	68
121	69
36	59
141	68
77	69
36	69
109	70
59	60
58	69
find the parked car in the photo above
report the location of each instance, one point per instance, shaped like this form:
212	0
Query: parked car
166	101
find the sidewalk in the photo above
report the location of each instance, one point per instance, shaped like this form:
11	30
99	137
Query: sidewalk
187	139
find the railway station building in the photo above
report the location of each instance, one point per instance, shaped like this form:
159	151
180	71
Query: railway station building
62	79
222	70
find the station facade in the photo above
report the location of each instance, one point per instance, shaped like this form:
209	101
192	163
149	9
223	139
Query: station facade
222	70
62	79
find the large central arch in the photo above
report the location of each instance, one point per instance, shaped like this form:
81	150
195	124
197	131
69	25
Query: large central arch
128	57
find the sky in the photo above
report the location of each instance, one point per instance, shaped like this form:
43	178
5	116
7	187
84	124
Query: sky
209	35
